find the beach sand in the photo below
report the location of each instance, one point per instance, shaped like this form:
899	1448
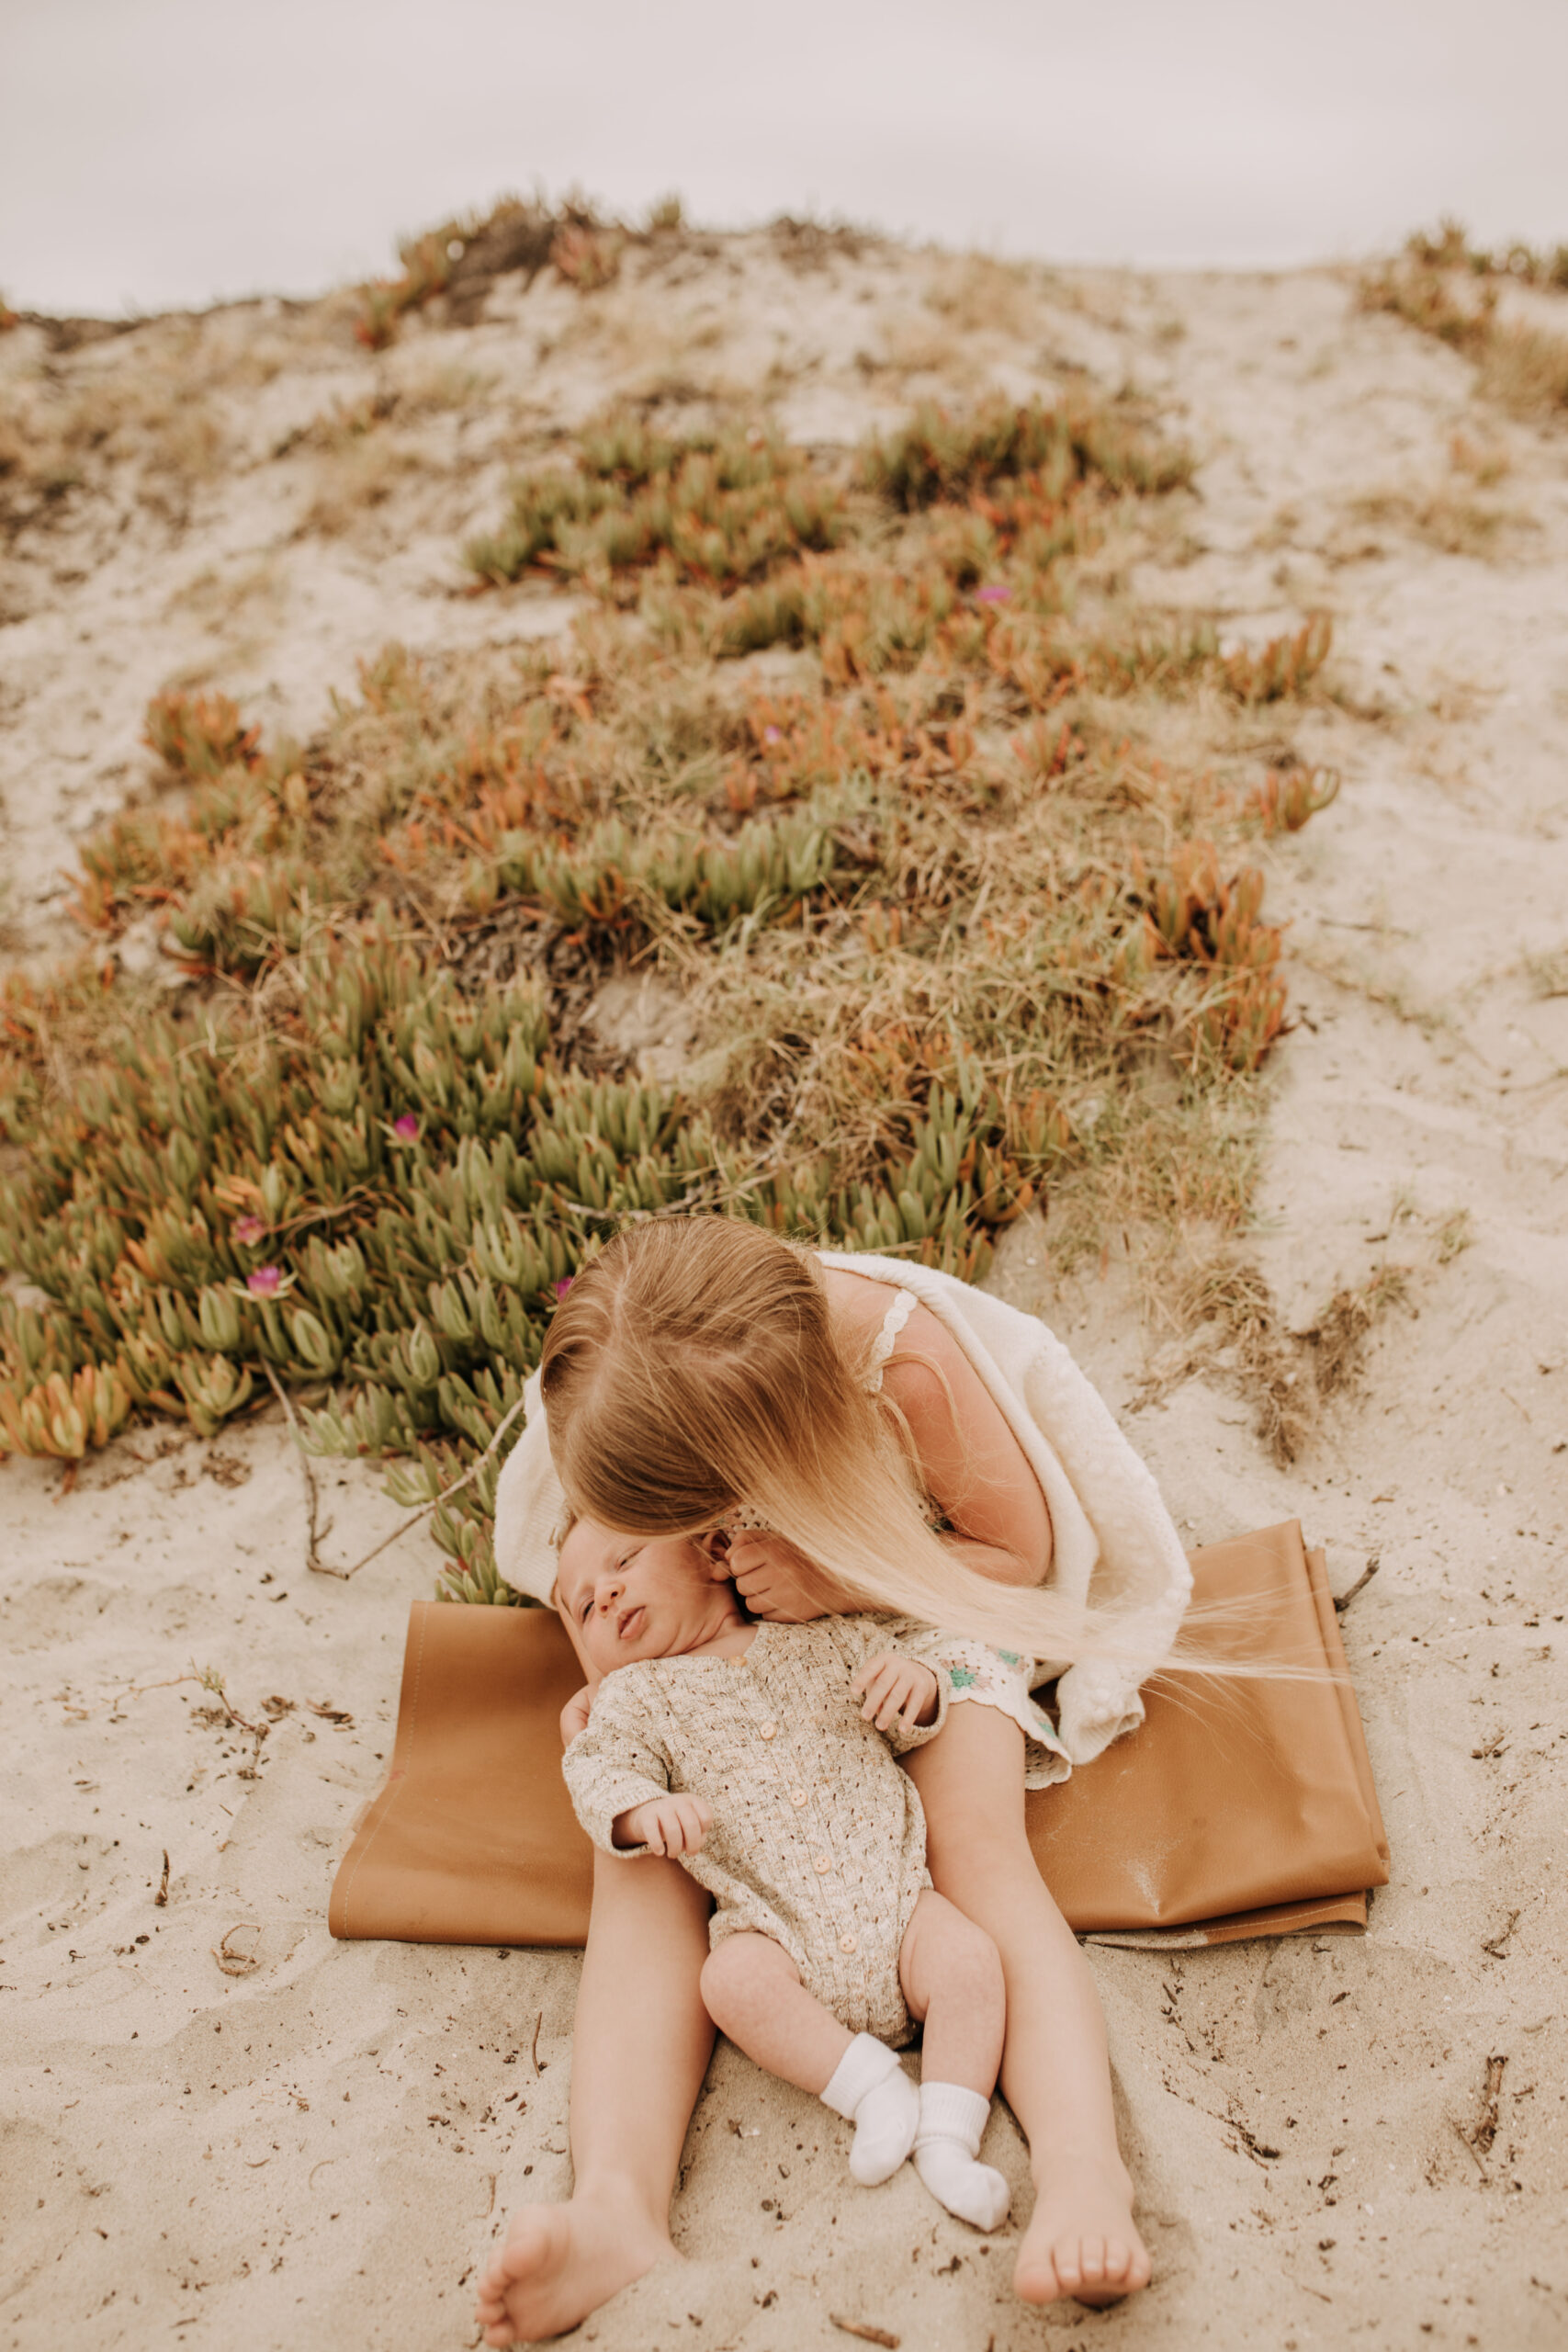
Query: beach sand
219	2126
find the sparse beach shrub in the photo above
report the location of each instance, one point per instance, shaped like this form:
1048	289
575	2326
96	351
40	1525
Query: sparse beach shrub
1446	290
460	256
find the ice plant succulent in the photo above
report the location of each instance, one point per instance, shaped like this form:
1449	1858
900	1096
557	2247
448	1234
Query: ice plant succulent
938	907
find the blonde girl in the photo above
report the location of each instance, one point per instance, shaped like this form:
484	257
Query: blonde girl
942	1451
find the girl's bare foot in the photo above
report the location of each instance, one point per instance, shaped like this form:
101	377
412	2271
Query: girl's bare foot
557	2263
1080	2240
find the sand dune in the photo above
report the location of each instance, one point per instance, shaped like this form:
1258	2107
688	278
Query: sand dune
220	2126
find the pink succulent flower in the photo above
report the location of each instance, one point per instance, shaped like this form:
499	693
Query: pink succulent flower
771	735
265	1282
992	595
248	1230
406	1128
563	1286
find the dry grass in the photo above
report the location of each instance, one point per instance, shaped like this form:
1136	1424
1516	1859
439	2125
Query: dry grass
1448	248
352	479
1521	366
223	601
978	294
1338	1338
1525	370
1227	1325
1444	518
141	420
1548	973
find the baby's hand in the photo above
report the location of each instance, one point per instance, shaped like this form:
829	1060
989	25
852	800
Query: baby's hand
574	1715
671	1826
898	1692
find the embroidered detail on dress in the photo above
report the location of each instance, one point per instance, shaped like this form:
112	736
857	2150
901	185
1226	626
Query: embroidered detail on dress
881	1347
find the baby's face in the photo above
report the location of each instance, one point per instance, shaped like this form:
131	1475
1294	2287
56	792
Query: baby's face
626	1597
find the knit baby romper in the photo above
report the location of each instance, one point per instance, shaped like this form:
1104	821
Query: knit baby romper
817	1838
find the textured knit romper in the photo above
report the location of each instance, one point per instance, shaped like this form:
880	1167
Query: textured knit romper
817	1838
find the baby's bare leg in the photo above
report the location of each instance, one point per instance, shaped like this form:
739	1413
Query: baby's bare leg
952	1977
640	2047
753	1992
755	1995
1056	2071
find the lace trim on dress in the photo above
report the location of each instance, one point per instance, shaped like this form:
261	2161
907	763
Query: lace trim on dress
881	1347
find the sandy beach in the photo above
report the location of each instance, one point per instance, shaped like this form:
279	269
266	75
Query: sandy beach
220	2126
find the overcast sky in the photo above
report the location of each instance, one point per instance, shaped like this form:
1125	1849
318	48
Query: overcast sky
166	152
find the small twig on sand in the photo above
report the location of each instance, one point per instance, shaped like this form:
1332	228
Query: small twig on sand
317	1566
534	2053
209	1680
1483	2130
1343	1600
866	2334
313	1530
1496	1945
237	1963
161	1897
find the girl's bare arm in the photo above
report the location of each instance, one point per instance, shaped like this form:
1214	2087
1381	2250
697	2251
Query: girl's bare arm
973	1467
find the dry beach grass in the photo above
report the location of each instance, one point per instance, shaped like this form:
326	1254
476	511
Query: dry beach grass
234	2124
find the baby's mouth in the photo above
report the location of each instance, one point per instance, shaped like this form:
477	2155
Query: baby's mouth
629	1624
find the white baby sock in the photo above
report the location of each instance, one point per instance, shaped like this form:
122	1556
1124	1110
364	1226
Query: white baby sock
946	2146
871	2090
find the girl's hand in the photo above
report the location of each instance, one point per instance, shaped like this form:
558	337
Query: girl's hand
771	1578
899	1693
672	1826
574	1715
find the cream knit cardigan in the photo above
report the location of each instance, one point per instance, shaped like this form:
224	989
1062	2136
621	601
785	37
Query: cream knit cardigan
1115	1545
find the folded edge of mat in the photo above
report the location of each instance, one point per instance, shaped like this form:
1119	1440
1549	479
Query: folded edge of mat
1341	1915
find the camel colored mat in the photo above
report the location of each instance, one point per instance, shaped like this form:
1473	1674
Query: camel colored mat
1239	1808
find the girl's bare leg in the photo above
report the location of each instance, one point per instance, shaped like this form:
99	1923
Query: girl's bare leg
1055	2067
640	2047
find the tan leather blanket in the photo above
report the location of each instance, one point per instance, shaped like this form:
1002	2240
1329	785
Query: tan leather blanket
1240	1808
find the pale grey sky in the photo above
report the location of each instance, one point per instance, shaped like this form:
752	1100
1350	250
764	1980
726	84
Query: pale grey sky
166	152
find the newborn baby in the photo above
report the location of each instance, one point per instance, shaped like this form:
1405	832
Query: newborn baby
760	1757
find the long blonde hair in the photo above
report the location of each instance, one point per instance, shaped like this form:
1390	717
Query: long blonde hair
693	1366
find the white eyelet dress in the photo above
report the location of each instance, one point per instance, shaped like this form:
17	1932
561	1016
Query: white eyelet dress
1000	1678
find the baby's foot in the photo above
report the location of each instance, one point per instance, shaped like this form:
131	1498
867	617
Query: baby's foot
872	2091
1080	2240
557	2263
947	2149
